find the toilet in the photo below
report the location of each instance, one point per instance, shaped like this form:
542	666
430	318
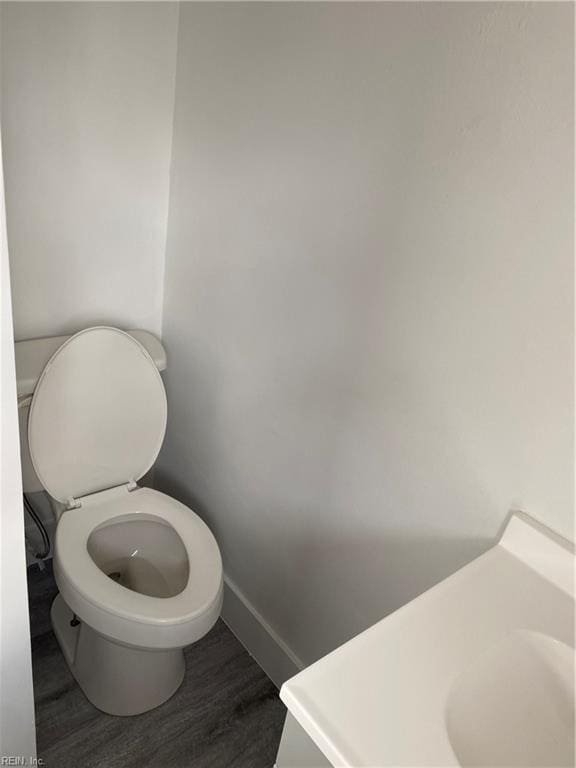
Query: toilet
139	574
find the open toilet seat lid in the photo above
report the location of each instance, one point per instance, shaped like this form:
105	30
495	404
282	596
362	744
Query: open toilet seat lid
98	415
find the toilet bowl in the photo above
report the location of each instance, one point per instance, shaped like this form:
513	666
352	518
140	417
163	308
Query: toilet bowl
139	574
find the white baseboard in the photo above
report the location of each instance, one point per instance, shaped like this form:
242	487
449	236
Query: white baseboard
257	636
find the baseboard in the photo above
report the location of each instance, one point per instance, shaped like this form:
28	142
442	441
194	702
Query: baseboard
257	636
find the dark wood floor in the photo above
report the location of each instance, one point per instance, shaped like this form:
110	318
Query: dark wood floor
227	713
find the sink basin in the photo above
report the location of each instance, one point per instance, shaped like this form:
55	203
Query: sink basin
514	706
478	671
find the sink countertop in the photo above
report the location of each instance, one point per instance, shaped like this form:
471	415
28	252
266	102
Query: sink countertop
380	699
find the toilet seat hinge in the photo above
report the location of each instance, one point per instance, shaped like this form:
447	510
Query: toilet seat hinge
72	503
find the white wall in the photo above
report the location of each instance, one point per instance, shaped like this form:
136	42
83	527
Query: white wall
17	736
368	294
88	93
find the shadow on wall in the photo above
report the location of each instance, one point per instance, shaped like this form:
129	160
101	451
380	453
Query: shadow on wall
349	582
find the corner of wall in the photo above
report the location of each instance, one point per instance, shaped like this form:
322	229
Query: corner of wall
170	163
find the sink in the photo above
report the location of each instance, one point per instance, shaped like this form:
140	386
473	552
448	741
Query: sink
477	671
514	706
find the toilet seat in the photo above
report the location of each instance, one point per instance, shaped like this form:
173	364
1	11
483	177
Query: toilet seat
119	613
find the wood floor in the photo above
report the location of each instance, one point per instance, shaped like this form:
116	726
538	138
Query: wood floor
226	714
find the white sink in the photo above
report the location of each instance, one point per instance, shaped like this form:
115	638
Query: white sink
478	671
514	706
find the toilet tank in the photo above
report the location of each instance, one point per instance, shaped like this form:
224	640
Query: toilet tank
31	358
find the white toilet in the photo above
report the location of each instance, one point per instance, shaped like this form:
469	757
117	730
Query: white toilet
139	574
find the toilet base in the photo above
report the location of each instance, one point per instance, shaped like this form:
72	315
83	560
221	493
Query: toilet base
117	679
